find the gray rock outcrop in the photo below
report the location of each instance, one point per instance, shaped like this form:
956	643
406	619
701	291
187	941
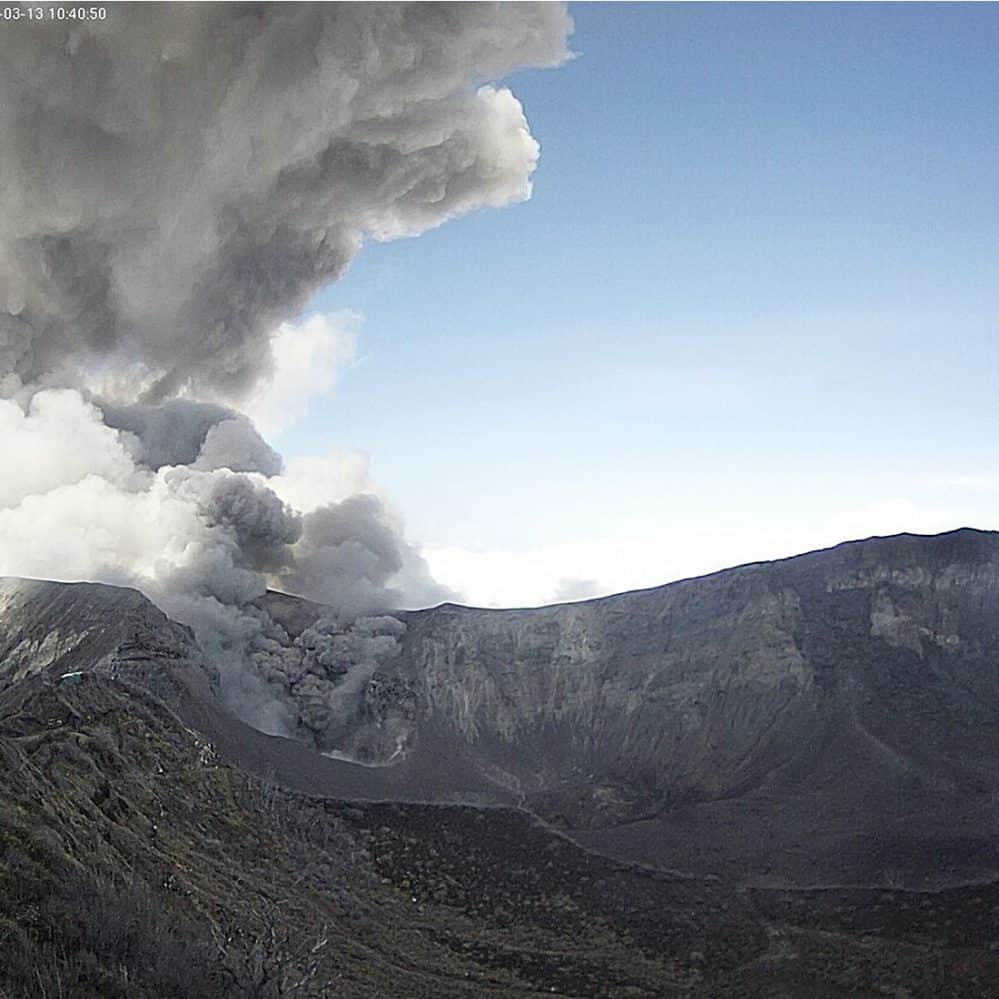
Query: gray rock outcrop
830	717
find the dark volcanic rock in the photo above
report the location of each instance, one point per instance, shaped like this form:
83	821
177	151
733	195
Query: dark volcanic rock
49	628
834	715
830	718
135	864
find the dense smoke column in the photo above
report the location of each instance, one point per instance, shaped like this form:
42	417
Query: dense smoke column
177	181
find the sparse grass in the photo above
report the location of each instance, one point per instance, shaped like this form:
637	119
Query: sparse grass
133	865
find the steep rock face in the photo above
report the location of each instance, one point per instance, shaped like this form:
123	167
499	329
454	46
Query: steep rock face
705	685
55	628
48	629
777	707
685	687
831	717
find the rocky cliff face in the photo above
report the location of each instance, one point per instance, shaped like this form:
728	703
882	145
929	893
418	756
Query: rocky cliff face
829	717
827	721
55	628
852	692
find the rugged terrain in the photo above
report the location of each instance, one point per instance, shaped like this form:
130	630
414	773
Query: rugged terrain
133	862
827	718
802	754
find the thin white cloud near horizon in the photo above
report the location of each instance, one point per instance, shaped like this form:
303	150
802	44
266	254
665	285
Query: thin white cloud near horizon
605	565
312	354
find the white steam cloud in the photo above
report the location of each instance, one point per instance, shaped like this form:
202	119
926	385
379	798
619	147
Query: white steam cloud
178	180
307	361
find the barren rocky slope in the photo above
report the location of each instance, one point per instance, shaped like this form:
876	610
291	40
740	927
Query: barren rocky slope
57	628
828	720
825	718
134	864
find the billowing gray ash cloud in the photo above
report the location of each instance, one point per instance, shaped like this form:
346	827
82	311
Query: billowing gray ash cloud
178	180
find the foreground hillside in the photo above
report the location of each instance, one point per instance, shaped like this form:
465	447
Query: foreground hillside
826	719
804	753
134	863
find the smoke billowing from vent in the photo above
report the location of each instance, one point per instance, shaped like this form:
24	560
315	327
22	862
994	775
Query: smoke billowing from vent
178	180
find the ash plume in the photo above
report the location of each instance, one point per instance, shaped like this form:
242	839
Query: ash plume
178	181
182	432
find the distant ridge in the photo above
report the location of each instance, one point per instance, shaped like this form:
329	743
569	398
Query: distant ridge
832	717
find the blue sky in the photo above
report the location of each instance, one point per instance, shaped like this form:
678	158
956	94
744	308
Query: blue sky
750	309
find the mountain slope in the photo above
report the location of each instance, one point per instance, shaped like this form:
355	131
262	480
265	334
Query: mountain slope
55	628
821	717
830	718
134	863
